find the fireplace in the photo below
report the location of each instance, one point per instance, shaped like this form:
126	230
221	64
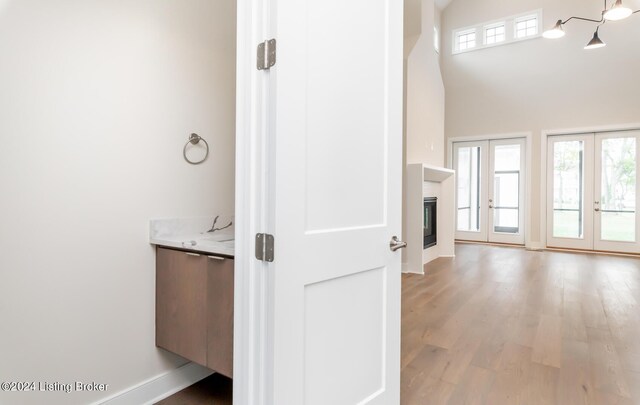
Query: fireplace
430	222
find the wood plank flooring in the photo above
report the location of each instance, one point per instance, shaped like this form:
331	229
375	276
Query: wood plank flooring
502	325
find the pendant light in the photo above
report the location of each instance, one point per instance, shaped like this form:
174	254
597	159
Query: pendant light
556	32
617	12
595	42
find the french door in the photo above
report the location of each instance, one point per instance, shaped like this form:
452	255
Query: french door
490	177
592	191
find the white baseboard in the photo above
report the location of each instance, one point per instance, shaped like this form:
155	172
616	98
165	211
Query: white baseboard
157	388
536	246
407	270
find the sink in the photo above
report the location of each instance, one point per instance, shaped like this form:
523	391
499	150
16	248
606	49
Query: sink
219	238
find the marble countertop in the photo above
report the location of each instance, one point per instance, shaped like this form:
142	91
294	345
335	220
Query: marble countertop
195	234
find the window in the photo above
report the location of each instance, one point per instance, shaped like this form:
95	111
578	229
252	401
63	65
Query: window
466	40
506	30
526	26
494	33
436	39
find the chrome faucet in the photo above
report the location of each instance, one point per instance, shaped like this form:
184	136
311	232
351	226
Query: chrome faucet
213	227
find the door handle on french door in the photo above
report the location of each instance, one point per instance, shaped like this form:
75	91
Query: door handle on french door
596	209
396	244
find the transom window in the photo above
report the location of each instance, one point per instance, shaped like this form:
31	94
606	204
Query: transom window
466	40
494	34
526	26
507	30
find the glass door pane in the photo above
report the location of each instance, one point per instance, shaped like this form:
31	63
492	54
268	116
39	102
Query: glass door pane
568	189
468	184
506	188
617	204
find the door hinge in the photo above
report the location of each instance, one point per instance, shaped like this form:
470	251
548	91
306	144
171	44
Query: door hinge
266	54
264	247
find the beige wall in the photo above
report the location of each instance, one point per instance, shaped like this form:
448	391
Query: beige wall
424	103
540	84
98	98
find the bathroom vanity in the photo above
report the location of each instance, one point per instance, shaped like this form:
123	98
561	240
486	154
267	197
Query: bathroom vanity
194	296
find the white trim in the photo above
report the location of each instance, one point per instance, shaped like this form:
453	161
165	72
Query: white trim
526	17
494	26
535	246
509	29
543	190
545	134
528	182
251	363
159	387
464	32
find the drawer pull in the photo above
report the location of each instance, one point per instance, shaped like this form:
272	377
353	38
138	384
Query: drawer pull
216	258
192	254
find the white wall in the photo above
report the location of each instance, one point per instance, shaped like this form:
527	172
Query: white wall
540	84
424	104
423	99
97	100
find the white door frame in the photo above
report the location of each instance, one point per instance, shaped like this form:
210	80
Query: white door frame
545	134
492	235
528	190
586	242
598	242
481	234
253	354
251	361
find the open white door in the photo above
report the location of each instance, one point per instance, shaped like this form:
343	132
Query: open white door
337	159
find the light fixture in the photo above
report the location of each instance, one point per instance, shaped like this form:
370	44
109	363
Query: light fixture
556	32
595	42
617	12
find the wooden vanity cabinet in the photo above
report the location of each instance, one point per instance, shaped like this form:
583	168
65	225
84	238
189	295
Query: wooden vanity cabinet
220	275
194	307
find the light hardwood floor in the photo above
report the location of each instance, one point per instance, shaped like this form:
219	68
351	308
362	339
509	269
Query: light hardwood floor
500	325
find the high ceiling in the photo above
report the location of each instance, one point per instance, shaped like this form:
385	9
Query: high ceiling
441	4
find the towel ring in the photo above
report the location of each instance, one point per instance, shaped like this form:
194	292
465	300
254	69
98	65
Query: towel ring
194	139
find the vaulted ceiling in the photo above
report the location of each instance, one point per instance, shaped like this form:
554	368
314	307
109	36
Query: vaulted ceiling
441	4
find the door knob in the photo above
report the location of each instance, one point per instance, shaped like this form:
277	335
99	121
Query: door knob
596	209
396	244
490	206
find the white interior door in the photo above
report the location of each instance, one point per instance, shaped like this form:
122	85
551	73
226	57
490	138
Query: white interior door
506	191
616	198
570	191
338	178
470	161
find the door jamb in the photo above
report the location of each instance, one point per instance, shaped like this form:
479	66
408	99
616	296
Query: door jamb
252	342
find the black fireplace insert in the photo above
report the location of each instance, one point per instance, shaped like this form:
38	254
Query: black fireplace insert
430	222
